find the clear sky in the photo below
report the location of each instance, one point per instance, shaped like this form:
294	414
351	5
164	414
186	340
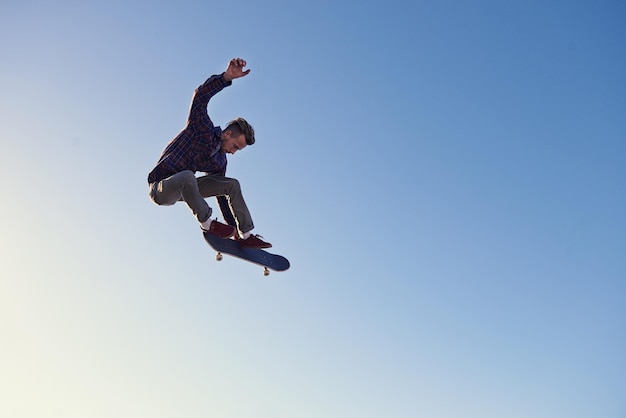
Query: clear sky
446	177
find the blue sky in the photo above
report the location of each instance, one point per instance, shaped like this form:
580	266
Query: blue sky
447	179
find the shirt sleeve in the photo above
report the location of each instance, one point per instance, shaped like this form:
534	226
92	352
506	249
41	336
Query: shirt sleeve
201	97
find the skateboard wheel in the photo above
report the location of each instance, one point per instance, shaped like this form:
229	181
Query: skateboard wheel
219	257
266	272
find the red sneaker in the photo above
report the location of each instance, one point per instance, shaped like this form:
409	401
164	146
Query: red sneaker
254	241
220	229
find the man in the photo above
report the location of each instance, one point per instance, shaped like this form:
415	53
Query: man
202	147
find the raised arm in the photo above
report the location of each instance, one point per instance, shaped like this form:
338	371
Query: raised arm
211	87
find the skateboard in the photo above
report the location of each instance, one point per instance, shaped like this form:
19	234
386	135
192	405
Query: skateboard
253	255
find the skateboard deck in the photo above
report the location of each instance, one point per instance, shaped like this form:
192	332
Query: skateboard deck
253	255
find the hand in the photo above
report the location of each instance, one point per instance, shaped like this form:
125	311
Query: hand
235	69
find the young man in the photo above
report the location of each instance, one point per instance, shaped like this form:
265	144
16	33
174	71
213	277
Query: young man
202	147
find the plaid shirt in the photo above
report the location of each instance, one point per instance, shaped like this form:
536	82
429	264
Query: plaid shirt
197	147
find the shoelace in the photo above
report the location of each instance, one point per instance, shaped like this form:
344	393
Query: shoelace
253	235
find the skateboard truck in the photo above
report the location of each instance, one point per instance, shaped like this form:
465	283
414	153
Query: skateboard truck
220	257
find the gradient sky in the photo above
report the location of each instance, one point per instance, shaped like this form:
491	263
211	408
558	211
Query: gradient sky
447	179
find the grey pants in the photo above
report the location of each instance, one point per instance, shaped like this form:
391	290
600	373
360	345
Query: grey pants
184	186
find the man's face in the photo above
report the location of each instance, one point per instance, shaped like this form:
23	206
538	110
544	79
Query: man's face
232	143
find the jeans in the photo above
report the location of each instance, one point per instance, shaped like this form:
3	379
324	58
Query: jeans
185	186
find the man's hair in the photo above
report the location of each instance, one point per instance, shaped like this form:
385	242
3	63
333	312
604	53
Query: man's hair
241	126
